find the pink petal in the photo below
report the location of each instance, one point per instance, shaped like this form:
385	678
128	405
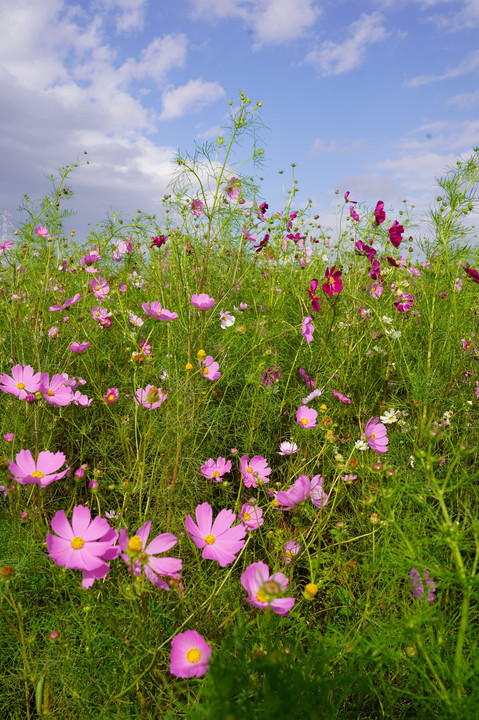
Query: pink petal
161	543
80	520
61	526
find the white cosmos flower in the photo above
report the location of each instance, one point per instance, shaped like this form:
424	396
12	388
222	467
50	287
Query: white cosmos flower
389	417
316	393
227	319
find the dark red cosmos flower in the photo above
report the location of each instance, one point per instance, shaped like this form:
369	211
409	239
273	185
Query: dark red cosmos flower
313	286
395	233
379	213
375	270
392	261
262	244
474	274
158	241
366	249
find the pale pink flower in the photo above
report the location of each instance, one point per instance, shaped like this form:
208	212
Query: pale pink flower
254	471
139	555
79	347
202	301
306	417
264	590
190	655
318	497
307	328
151	397
42	231
26	471
84	545
155	311
218	540
24	381
100	287
227	319
251	515
197	207
287	448
210	368
376	289
68	303
81	400
376	436
55	391
214	470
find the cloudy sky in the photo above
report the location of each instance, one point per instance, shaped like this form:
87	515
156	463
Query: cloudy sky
372	96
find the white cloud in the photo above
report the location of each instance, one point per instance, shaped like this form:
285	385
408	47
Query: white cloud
464	99
160	56
468	65
190	97
272	21
319	146
336	58
129	13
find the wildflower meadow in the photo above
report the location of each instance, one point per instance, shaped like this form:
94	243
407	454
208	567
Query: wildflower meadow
239	453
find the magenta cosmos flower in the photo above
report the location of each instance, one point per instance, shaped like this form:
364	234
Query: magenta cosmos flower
417	587
291	549
313	286
42	472
190	655
218	540
473	274
353	213
42	231
333	284
202	301
210	368
23	381
254	471
296	494
405	302
197	207
379	214
111	395
307	328
79	347
251	515
215	470
233	188
84	545
306	416
100	287
395	233
139	555
151	397
55	391
264	589
376	436
339	396
155	311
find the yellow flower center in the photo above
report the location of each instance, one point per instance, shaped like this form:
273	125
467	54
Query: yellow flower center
77	543
135	544
304	421
209	539
216	473
275	503
261	596
50	393
38	474
205	371
247	517
111	397
193	655
97	287
372	436
20	385
289	554
249	469
331	281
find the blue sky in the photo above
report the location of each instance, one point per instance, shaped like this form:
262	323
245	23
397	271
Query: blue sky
376	97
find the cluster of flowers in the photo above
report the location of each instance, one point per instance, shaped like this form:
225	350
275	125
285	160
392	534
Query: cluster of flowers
26	384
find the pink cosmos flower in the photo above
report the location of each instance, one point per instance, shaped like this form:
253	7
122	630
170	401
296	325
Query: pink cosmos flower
26	471
369	251
376	289
291	549
24	381
227	319
215	470
417	586
376	436
158	241
248	235
139	555
68	303
79	347
218	540
145	347
8	437
233	188
55	391
197	207
339	396
81	400
379	213
264	590
270	375
318	497
157	312
353	213
90	258
405	302
190	655
42	231
111	395
296	494
395	233
210	368
310	384
306	417
251	515
84	545
202	301
333	284
313	286
100	287
151	397
5	246
473	274
287	448
254	471
307	328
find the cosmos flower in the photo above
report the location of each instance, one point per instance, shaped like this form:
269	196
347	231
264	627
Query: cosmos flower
215	470
287	448
395	233
339	396
202	301
417	587
307	328
155	311
227	319
251	515
42	231
151	397
218	540
296	494
55	391
210	368
24	381
26	471
291	549
190	655
379	214
79	347
84	545
100	287
139	555
254	471
313	286
68	303
376	436
306	417
197	207
264	590
111	395
333	284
